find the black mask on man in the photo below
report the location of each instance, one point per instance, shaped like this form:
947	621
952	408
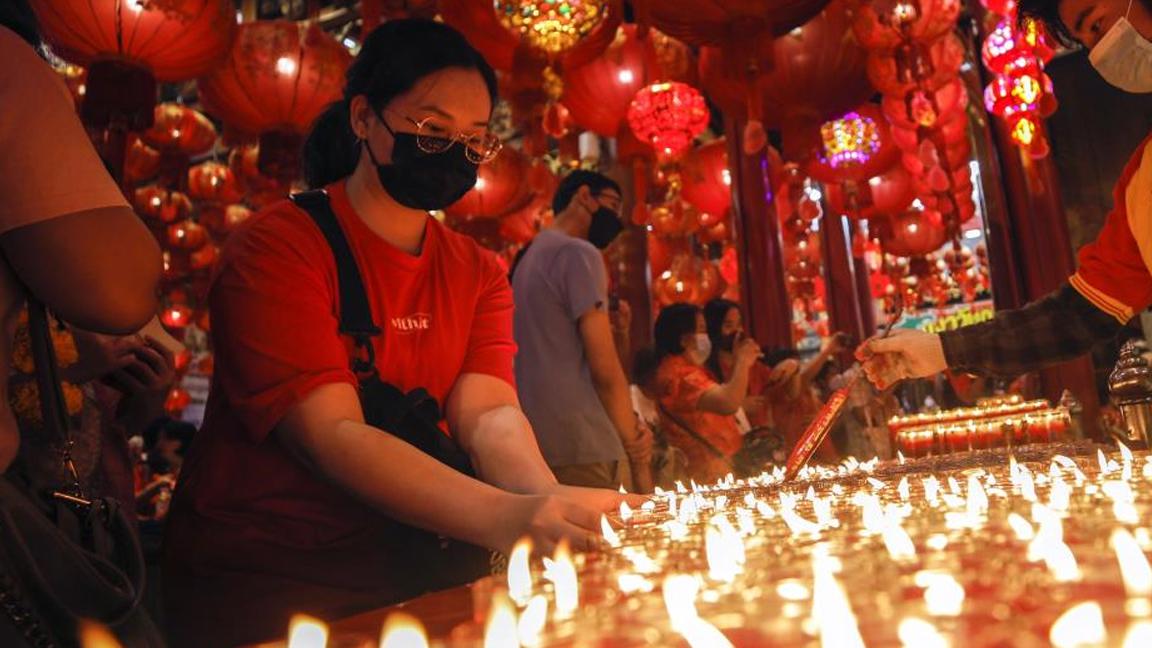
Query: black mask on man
605	227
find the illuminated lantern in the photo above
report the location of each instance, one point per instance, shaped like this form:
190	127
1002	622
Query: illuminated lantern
187	235
480	25
277	80
222	221
259	189
177	401
554	25
668	116
141	161
1007	96
855	146
690	279
705	179
911	64
598	94
128	45
884	24
922	108
500	188
180	130
1007	50
675	60
213	182
176	316
915	232
204	257
714	230
675	218
161	205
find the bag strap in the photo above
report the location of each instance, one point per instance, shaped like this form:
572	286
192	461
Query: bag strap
53	411
355	311
681	423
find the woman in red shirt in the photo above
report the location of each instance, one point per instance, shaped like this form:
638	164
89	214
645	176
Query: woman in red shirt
697	413
293	497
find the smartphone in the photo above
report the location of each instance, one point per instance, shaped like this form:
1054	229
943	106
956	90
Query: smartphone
154	329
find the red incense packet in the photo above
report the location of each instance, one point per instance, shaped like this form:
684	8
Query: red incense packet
816	431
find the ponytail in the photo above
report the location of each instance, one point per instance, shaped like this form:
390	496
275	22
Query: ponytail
331	150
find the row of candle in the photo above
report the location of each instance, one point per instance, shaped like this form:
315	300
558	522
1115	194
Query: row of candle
1049	426
865	553
993	409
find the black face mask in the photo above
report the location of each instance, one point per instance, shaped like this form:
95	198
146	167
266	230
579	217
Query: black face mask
728	342
605	227
422	180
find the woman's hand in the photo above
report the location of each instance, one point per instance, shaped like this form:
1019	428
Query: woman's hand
747	352
548	519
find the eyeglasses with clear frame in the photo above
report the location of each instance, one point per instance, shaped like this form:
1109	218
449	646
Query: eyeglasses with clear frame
479	148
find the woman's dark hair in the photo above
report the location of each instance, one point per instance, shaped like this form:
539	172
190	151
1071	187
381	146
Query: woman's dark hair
596	182
18	16
672	324
714	313
644	366
393	58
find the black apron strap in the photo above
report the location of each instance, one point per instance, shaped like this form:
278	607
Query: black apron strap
355	311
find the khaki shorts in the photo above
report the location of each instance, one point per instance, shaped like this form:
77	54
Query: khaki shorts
605	474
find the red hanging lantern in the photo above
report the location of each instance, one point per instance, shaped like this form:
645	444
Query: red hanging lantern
204	258
668	116
714	230
128	45
187	235
161	205
855	146
177	401
554	27
923	108
598	94
141	161
278	78
675	218
179	130
176	316
915	232
884	24
705	179
675	60
744	26
1008	96
500	188
213	182
259	189
913	63
223	220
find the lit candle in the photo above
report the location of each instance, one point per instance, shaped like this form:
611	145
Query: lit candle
306	632
520	572
403	631
1080	625
561	572
501	631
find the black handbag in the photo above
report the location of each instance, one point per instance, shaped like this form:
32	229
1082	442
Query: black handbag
411	416
65	557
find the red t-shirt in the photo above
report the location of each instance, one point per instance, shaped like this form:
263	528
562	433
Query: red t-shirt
681	385
244	506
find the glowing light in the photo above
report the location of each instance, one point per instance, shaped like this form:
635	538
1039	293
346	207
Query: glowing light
97	635
793	589
625	76
725	550
520	572
532	622
831	610
501	630
1134	565
610	535
403	631
561	572
286	65
680	600
1139	635
850	141
1081	625
552	26
918	633
668	116
943	594
136	6
306	632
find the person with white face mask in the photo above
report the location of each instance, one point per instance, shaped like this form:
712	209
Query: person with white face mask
1113	282
698	414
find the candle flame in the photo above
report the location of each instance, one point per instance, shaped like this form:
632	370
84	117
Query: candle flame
307	632
610	535
97	635
625	511
900	457
680	600
897	540
793	589
918	633
501	630
1080	625
561	572
1020	527
520	572
725	550
943	594
831	610
403	631
1139	635
532	622
1134	567
903	489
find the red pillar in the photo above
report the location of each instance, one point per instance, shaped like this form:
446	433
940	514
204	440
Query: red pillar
767	312
841	296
